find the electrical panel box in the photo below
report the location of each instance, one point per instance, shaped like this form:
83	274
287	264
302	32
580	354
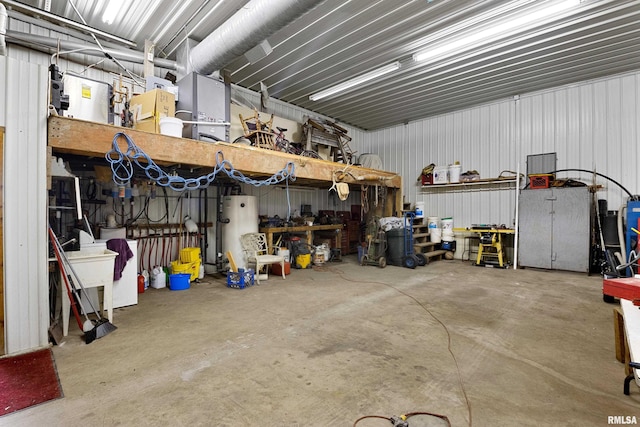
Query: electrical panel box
88	99
205	100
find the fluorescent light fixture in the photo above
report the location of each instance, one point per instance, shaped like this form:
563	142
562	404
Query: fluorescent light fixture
378	72
112	9
492	33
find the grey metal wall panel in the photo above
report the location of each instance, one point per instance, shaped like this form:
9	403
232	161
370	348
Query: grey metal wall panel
24	92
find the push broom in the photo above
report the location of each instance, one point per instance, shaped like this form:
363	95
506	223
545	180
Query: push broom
92	331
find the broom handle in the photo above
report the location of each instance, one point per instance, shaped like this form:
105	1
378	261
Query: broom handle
65	279
77	280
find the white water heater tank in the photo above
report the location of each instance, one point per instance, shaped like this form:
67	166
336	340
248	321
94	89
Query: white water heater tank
242	213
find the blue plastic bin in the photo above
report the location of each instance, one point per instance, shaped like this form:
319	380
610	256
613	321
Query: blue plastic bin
240	279
179	282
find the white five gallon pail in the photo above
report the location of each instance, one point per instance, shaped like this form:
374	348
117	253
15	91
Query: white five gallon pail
171	126
419	209
454	173
435	235
447	229
433	222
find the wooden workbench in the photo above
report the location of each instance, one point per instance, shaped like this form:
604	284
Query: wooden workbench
307	229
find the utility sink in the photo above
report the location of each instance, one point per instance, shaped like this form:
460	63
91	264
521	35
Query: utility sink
93	268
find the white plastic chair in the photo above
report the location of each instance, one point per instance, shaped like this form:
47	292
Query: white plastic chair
254	246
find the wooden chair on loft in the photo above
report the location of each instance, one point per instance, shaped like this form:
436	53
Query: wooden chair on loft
258	132
254	246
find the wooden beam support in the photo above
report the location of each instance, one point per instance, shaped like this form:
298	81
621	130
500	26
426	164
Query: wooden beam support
67	135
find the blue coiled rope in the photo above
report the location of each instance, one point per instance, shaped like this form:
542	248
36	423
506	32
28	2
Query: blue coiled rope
122	169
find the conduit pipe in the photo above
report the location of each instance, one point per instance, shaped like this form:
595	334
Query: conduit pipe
3	30
33	41
254	23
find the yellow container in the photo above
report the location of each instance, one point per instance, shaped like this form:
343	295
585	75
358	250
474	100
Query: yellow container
190	255
303	260
192	268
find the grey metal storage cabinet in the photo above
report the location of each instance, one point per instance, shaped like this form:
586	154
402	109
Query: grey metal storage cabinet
554	228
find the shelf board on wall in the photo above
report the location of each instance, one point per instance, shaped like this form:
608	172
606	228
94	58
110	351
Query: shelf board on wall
489	182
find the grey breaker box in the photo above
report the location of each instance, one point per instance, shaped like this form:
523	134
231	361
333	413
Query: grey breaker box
204	99
88	99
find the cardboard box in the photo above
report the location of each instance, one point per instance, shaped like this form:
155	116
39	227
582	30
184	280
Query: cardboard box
150	107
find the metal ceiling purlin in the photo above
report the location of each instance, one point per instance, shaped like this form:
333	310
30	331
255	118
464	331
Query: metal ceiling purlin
475	77
317	38
379	44
359	99
408	78
339	40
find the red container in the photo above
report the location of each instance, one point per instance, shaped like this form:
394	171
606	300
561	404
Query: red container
277	270
427	179
539	181
140	284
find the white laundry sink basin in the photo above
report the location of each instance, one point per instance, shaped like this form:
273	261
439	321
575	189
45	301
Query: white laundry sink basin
93	267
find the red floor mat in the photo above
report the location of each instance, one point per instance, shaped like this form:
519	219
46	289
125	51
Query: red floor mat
27	380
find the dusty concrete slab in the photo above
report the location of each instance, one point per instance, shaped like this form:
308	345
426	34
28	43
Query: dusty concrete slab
485	347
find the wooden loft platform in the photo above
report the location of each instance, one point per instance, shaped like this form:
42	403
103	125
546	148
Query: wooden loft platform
79	137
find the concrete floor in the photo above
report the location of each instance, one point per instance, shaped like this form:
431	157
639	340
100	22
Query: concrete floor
483	346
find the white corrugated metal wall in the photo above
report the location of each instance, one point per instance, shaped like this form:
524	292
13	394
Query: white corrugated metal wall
592	125
23	113
479	138
589	125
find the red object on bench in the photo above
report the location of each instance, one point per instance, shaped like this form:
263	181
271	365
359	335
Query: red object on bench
623	287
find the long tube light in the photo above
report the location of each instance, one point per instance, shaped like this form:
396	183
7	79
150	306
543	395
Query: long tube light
491	33
65	21
378	72
111	11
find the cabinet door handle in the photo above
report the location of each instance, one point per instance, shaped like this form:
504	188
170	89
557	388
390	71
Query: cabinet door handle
552	198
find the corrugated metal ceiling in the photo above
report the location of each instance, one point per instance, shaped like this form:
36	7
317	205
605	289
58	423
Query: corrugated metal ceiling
341	39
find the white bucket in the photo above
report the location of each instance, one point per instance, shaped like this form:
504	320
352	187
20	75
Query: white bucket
284	252
447	224
171	126
433	222
435	235
441	175
447	237
419	210
454	173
